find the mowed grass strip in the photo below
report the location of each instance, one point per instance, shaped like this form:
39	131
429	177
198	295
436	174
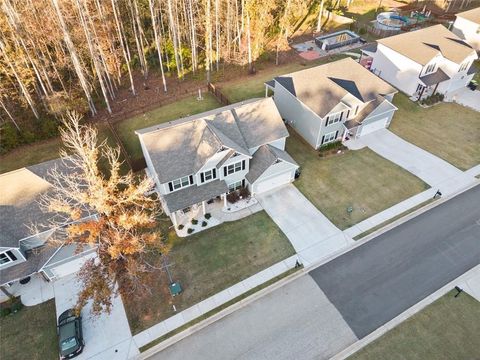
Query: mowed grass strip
449	131
30	333
448	329
207	263
359	179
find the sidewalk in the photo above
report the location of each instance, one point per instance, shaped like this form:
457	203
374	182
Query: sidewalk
203	307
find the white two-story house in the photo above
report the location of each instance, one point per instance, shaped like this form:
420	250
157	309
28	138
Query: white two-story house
198	159
467	27
333	101
423	62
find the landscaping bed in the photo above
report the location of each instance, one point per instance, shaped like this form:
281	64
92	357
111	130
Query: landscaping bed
360	181
447	130
449	328
207	263
30	333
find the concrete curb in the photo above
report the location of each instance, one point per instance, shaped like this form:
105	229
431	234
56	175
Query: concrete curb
220	315
244	302
404	316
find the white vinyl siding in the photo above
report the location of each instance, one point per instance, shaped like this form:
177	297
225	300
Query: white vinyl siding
333	119
233	168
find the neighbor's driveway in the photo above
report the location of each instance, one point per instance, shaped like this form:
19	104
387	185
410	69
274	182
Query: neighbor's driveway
467	97
106	337
434	171
312	235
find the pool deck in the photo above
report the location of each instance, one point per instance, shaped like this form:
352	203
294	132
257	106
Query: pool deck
309	50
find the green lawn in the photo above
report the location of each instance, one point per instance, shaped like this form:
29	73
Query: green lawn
207	263
450	131
448	329
30	333
360	179
253	86
185	107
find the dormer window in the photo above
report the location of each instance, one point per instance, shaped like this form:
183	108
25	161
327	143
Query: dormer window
6	257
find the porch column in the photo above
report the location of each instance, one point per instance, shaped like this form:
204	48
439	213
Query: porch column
174	219
435	90
203	208
225	200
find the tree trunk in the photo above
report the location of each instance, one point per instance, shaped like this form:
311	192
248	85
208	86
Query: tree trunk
157	41
320	15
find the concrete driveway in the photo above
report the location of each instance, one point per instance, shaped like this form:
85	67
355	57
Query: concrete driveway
295	321
312	235
434	171
106	337
466	97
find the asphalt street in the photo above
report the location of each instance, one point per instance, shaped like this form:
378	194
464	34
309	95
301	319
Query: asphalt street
321	313
375	282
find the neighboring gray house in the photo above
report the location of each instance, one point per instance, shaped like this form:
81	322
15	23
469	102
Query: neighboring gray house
334	101
24	251
197	159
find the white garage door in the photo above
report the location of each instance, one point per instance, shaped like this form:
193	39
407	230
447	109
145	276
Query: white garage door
377	125
272	182
71	266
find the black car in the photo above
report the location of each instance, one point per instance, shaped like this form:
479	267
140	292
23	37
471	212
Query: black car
70	337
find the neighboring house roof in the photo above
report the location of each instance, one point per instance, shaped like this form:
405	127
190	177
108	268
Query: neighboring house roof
19	207
35	260
321	88
435	78
423	45
182	147
471	15
264	157
181	199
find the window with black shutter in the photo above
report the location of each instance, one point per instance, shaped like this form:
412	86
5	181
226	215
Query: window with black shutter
202	178
243	165
225	171
341	116
191	179
170	186
214	173
323	138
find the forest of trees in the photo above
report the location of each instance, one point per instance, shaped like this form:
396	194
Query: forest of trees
60	55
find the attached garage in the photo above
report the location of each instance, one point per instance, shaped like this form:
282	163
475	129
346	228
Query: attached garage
67	266
262	185
373	126
270	167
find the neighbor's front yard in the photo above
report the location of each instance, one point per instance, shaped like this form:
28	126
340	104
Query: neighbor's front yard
447	329
207	263
30	334
359	179
449	131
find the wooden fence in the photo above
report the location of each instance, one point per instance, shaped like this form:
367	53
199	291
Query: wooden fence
218	94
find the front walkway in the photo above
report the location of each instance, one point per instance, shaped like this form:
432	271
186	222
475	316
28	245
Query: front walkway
436	172
465	97
107	336
312	235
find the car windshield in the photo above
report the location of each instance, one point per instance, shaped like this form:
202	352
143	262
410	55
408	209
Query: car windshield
68	344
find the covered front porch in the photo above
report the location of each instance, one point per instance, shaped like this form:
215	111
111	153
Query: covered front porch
200	207
429	84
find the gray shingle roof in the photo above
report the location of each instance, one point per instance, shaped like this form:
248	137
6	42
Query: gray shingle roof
182	147
321	88
21	190
192	195
423	45
434	78
264	157
35	260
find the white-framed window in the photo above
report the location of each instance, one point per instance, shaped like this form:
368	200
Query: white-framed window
233	168
6	257
419	88
464	66
329	137
430	68
236	185
333	119
180	183
208	175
